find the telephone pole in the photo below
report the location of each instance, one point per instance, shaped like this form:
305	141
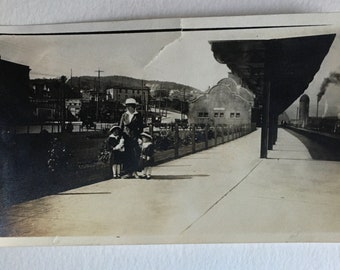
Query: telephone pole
97	92
71	80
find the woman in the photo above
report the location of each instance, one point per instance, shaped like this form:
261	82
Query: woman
131	123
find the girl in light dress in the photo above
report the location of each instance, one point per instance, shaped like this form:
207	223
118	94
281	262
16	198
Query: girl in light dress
147	152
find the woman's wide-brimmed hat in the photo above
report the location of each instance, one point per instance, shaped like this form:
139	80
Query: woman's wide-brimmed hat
113	128
146	134
130	101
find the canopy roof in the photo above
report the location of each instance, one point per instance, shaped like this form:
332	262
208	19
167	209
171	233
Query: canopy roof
288	64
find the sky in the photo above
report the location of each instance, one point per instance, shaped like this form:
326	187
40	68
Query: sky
330	102
182	57
156	56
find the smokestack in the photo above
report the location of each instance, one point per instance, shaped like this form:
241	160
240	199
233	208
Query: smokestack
333	78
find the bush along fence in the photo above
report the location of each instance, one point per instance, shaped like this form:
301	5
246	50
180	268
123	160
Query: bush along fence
74	157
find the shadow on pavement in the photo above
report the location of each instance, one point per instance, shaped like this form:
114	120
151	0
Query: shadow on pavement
177	177
21	183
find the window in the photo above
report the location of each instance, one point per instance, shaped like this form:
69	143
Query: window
203	114
238	115
221	114
232	115
216	114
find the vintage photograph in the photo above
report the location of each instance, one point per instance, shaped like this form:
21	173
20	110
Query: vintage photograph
201	130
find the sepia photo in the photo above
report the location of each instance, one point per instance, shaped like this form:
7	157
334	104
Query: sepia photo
197	130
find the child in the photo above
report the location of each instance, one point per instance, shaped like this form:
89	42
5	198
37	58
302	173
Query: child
116	146
147	154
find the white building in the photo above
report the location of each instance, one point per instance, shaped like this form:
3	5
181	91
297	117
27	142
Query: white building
73	105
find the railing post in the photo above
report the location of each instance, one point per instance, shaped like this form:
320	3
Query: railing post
193	141
176	140
215	134
222	133
151	130
228	133
206	140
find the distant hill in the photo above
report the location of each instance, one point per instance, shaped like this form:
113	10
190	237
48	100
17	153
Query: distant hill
106	82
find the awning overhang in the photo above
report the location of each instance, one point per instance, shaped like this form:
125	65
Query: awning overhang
288	64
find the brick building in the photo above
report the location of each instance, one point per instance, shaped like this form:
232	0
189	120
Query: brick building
225	103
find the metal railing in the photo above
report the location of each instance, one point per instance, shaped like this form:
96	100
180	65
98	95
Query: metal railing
174	141
82	149
55	127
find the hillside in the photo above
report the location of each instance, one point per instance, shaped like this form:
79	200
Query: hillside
106	82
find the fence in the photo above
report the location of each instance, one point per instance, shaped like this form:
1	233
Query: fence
173	141
75	155
170	141
55	127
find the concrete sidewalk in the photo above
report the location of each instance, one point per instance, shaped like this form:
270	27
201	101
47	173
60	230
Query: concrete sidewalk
224	194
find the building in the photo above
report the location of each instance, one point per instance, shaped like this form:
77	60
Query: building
120	94
304	110
73	105
14	93
225	103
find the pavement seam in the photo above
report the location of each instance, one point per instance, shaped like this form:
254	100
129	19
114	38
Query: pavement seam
223	196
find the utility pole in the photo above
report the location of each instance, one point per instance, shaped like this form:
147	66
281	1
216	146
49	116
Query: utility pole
160	98
144	99
182	105
63	80
97	93
71	79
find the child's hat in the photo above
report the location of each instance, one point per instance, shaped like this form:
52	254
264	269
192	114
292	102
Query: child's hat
146	134
113	128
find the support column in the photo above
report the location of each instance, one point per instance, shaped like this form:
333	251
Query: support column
265	121
271	130
276	119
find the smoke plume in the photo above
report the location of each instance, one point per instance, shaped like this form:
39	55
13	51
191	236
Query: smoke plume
333	78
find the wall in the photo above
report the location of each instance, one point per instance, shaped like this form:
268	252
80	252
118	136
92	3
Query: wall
225	103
